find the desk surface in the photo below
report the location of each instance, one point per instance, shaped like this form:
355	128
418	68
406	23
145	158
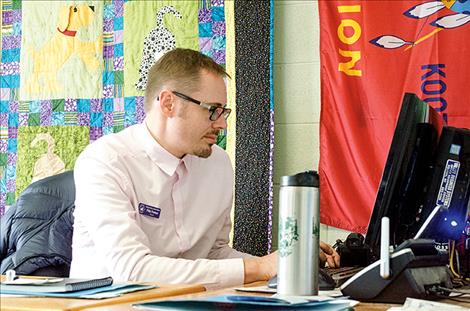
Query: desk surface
125	302
66	304
229	291
360	307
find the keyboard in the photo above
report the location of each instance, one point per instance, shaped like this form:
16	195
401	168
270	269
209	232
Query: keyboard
342	274
328	278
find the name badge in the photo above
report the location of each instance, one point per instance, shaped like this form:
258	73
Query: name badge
148	210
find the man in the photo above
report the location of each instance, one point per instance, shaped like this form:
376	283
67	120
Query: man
153	201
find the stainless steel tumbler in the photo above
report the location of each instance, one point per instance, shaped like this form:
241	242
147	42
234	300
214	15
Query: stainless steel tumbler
299	230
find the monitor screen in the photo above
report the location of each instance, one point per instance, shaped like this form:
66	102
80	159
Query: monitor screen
405	172
448	188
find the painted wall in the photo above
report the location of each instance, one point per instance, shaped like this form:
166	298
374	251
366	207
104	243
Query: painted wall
297	97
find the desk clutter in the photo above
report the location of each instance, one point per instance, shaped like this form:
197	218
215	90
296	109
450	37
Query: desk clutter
35	303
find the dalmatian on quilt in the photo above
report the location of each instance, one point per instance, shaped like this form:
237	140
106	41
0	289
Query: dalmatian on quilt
159	41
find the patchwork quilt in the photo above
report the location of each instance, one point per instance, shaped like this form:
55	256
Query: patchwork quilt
73	71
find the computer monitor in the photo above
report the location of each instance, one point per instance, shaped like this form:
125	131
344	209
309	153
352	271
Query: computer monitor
405	173
425	192
447	190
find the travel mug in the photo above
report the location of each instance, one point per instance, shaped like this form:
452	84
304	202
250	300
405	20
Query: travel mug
299	230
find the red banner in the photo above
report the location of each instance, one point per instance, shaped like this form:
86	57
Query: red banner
372	52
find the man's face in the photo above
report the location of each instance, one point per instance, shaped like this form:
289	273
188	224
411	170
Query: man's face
194	132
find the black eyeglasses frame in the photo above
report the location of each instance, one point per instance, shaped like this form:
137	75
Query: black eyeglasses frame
215	110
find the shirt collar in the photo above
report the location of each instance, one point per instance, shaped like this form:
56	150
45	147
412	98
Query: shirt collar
159	155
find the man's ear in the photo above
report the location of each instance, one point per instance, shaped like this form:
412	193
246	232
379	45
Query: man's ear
167	103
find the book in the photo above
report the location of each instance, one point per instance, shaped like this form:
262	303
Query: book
109	291
29	285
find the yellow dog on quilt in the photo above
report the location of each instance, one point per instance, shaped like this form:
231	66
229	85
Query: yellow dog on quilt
49	58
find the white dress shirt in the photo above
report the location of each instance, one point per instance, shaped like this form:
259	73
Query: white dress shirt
142	214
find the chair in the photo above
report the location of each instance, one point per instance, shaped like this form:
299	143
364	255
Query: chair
36	232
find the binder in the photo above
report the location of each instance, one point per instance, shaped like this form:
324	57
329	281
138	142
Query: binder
52	285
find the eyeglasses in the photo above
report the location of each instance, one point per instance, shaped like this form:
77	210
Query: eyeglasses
216	111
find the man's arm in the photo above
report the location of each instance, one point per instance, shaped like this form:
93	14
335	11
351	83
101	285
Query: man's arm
260	268
221	249
256	268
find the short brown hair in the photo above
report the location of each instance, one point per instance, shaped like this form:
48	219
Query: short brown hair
179	68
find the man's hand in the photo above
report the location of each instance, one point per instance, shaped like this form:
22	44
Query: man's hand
260	268
329	255
264	268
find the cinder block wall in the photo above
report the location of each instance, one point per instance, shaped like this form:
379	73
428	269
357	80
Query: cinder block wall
297	97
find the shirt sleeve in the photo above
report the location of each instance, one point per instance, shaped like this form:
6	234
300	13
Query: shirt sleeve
104	209
221	248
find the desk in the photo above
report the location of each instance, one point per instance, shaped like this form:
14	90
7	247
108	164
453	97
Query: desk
363	306
125	302
68	304
232	291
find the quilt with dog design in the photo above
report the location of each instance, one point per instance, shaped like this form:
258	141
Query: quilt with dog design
64	60
70	74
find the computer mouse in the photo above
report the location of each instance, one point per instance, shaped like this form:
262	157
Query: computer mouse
325	281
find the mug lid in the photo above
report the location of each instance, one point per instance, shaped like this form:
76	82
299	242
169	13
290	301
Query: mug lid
304	179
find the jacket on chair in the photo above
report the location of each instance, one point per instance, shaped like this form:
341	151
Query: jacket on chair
36	232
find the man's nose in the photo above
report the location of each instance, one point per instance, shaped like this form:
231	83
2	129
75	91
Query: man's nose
220	123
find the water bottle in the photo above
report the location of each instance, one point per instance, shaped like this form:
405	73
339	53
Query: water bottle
299	230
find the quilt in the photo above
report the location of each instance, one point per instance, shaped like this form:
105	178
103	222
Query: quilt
73	71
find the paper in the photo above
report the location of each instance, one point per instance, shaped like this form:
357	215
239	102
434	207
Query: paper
241	302
412	304
257	289
32	281
301	299
118	292
268	290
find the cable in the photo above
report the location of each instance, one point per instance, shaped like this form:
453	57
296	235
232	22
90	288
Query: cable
451	259
453	290
454	298
337	244
457	283
457	260
437	292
